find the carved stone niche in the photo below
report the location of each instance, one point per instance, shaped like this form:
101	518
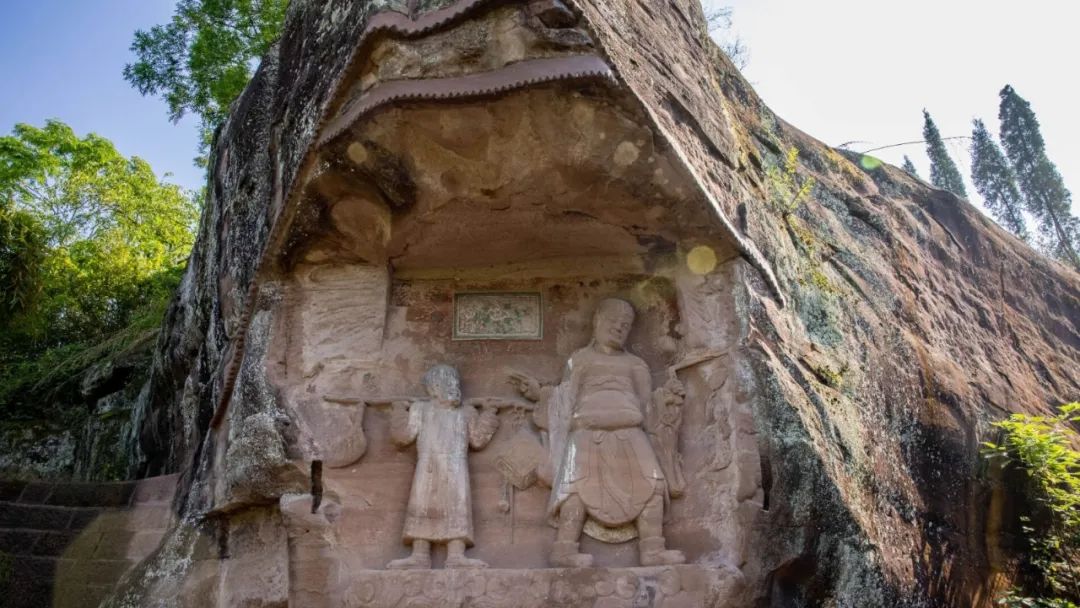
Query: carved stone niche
547	200
510	499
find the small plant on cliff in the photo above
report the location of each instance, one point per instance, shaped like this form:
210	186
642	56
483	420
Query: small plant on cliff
788	189
1042	446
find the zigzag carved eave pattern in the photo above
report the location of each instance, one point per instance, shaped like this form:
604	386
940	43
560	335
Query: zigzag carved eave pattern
515	76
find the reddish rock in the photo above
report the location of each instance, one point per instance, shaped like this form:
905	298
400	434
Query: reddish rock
842	356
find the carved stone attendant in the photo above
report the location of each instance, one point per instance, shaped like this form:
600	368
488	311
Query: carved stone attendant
665	420
603	464
440	505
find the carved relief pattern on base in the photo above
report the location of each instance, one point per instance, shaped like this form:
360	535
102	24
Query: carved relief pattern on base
673	586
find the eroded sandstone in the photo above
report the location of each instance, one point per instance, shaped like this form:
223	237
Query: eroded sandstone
835	364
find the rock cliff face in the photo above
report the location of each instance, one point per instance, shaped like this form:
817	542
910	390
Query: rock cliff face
82	426
874	326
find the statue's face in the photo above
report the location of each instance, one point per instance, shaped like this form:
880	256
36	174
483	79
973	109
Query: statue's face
613	323
443	384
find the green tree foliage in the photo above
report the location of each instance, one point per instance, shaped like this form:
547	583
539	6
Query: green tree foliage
943	171
202	59
1044	448
996	182
909	167
88	237
1044	191
22	255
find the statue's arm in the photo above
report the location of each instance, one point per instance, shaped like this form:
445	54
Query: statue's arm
540	412
482	426
404	423
530	388
643	388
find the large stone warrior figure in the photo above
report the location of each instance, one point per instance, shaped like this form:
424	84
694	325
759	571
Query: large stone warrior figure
602	462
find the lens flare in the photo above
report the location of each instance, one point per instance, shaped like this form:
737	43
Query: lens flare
701	260
357	153
869	162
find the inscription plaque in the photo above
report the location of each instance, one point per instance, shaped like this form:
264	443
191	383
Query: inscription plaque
498	316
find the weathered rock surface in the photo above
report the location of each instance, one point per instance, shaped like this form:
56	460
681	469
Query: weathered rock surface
80	424
873	329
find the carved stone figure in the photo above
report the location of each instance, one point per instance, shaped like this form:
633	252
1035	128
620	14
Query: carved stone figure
665	419
603	466
440	505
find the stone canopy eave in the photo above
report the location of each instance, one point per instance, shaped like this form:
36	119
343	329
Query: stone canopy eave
601	67
338	115
743	244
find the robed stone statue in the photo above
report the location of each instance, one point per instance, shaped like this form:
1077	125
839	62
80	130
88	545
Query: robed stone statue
440	503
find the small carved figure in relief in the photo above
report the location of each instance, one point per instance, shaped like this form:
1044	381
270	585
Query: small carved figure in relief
440	506
665	419
603	466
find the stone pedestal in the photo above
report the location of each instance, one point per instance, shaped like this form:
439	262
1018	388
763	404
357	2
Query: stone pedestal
659	587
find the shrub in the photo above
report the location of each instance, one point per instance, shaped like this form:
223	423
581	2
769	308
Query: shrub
1044	448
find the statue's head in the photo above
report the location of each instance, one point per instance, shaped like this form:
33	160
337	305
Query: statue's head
612	323
443	383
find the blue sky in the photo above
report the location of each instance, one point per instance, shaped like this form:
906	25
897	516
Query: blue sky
853	70
841	70
63	59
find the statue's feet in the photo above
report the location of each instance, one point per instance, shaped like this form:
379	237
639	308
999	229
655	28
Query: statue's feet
413	562
667	557
462	562
565	555
652	553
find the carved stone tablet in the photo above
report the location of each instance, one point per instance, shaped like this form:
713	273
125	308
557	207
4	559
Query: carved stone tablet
498	316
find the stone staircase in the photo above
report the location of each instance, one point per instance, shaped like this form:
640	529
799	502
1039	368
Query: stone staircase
65	544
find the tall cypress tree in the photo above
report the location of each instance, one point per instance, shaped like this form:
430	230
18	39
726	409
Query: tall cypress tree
996	182
1044	191
943	171
909	167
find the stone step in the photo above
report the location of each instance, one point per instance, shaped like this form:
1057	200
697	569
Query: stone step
43	517
34	517
70	493
51	582
65	544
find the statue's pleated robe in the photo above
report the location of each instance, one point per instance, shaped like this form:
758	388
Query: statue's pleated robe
440	504
614	472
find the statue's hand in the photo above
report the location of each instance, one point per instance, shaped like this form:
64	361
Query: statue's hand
494	404
672	393
525	384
